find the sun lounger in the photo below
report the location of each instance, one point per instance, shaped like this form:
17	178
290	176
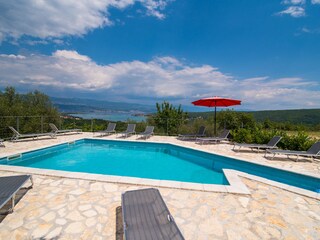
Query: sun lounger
146	216
130	130
55	130
16	135
270	145
9	186
312	152
222	137
147	133
200	133
110	130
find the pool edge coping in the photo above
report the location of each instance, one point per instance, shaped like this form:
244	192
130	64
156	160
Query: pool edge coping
233	176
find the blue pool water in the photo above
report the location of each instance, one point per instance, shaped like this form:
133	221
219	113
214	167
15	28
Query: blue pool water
151	160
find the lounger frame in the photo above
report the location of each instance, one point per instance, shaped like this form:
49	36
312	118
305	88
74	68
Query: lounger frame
270	145
56	130
222	137
201	133
313	152
111	129
147	133
16	135
129	131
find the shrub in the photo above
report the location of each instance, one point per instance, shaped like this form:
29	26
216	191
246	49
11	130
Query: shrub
299	142
242	135
169	118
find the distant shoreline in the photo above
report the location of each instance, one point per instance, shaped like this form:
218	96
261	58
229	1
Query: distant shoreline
110	116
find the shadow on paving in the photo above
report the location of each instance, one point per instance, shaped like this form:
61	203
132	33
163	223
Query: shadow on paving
119	224
7	206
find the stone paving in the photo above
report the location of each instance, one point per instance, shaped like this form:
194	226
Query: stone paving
64	208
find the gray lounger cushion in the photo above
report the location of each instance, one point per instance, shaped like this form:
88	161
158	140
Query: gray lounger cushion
222	137
147	133
56	130
17	135
130	130
313	151
146	216
201	133
270	145
110	129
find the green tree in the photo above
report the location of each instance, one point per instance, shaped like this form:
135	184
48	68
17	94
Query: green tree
32	112
231	119
169	118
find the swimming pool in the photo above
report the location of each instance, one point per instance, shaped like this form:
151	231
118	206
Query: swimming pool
150	160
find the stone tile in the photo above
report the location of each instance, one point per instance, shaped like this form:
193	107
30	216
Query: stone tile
18	234
110	187
91	222
244	201
49	216
41	230
54	233
74	216
77	192
96	186
61	221
90	213
75	227
15	223
85	207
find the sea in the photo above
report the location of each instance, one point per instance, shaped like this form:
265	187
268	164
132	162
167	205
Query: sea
111	116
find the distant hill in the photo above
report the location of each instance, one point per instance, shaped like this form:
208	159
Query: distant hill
80	105
303	116
297	116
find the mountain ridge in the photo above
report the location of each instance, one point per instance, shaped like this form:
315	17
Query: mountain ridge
297	116
81	105
71	105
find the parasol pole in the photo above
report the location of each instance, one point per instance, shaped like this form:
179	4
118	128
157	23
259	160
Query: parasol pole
215	121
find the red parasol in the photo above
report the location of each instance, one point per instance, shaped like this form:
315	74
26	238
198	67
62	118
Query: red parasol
216	102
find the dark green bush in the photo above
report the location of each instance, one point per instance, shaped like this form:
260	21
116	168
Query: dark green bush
242	135
300	141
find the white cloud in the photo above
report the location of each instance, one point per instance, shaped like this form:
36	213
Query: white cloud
59	18
310	30
70	73
293	11
12	56
154	8
70	55
294	2
296	8
315	1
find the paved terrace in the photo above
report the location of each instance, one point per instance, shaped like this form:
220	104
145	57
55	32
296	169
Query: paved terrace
66	208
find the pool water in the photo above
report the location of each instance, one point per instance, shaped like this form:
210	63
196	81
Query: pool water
151	160
124	159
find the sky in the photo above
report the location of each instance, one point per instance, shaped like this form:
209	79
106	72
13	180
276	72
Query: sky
263	52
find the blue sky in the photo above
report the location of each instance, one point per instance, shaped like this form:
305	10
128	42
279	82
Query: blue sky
265	53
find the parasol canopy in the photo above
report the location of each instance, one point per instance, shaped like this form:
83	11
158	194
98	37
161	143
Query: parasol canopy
216	102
